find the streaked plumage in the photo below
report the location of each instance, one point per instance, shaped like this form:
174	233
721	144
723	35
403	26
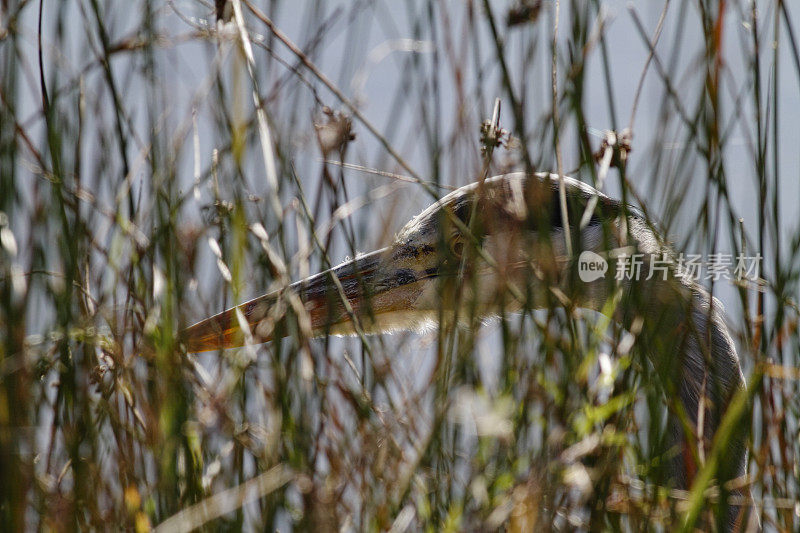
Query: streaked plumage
505	236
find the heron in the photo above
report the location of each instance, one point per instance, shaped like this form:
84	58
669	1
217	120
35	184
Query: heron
509	243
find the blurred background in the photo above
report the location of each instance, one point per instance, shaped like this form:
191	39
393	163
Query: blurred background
163	160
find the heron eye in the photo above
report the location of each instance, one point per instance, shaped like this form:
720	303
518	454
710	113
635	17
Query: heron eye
457	247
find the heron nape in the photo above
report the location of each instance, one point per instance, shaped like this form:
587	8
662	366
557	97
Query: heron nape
499	245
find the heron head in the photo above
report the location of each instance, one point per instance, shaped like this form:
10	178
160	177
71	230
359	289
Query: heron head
484	247
499	243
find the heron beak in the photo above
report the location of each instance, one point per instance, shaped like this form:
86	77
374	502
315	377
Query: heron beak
357	295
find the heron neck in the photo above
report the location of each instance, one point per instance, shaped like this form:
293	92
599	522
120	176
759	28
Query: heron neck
681	329
677	317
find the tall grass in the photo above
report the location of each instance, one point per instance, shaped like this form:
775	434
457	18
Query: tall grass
158	165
